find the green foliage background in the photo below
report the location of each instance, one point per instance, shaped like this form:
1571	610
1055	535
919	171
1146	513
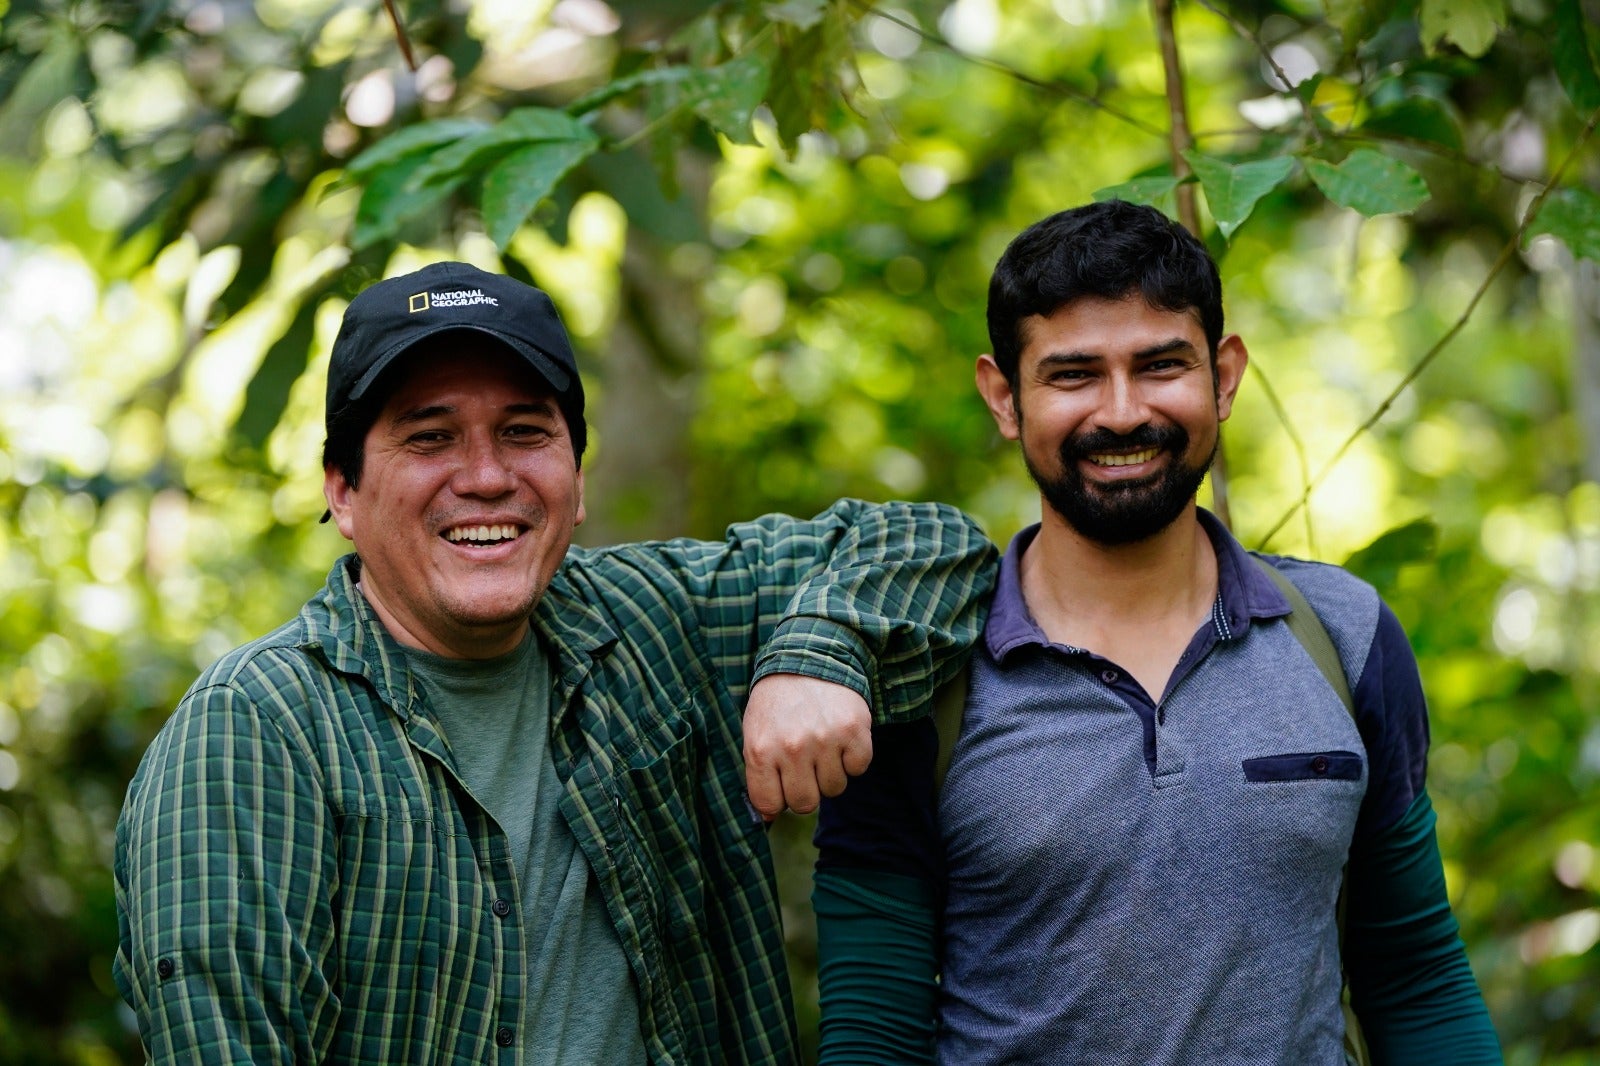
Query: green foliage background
770	227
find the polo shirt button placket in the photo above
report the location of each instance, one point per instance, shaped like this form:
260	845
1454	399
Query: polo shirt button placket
1319	765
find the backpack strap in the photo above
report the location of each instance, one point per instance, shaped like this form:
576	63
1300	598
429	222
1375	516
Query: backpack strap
1312	635
948	704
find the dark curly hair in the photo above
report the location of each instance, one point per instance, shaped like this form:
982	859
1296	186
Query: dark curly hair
1109	250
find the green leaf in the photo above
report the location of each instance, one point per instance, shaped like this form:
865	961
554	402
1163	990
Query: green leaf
1370	182
793	90
516	184
638	79
267	395
1232	189
389	200
1140	190
477	153
1470	25
1355	19
424	136
1418	118
804	76
1572	53
727	96
803	14
1573	217
1380	562
57	73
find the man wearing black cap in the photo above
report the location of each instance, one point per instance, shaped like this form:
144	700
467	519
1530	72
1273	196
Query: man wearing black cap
408	826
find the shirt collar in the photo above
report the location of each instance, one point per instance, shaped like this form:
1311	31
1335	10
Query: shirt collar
1244	593
340	623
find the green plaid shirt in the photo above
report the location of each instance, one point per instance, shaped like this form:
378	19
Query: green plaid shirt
302	877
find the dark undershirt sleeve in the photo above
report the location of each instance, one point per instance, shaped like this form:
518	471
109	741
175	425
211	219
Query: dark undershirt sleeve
876	895
1410	983
887	819
876	968
1393	717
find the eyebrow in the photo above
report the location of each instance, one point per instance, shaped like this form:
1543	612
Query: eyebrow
440	410
1075	358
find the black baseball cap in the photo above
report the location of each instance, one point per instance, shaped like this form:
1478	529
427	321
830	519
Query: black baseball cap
387	319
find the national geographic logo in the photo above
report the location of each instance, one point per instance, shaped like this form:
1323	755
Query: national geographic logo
422	301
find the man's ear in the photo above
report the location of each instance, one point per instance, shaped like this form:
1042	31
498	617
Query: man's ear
1232	358
997	395
581	515
337	491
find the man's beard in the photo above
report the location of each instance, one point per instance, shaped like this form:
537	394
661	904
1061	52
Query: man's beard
1122	512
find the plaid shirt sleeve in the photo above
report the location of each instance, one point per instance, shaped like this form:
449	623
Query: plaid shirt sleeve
883	598
223	798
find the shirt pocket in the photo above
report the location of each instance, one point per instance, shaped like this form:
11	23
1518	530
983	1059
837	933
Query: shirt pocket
1305	766
658	805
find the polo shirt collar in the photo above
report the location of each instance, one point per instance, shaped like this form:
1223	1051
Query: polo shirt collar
1244	593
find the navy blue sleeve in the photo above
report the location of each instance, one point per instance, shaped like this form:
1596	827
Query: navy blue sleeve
886	820
1392	715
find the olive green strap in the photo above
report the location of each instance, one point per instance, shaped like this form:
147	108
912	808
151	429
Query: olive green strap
948	703
1309	631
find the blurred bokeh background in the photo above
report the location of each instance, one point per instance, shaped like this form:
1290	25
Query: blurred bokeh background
769	226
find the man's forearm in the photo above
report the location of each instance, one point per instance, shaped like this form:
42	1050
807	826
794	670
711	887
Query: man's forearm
898	603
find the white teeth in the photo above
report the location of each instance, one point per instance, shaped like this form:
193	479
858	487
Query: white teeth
1124	460
479	534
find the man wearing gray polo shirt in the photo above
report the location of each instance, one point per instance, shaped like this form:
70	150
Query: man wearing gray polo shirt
1157	797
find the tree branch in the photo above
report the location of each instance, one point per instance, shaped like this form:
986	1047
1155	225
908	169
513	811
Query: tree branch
1179	138
400	34
1179	141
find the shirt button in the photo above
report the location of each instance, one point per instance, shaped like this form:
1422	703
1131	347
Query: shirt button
1109	676
1320	764
500	907
504	1036
164	969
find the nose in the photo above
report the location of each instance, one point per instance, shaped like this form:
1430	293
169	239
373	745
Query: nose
484	471
1123	408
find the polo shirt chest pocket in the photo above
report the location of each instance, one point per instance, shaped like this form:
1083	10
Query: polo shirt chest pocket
1300	802
657	807
1306	766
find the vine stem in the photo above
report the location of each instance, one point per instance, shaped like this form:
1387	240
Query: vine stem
1501	262
1295	442
1272	61
400	35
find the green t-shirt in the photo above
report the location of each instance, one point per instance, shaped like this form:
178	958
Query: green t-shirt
581	1005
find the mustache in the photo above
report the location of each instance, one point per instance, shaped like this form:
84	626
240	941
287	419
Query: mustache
1099	441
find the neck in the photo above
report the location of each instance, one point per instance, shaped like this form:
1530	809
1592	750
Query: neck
487	641
1076	586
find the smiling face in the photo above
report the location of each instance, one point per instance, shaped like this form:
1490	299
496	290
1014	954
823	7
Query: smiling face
468	496
1117	409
